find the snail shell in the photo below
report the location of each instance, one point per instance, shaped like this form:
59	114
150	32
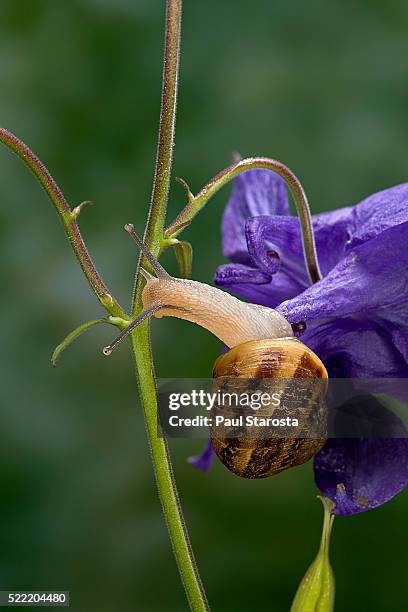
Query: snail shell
284	358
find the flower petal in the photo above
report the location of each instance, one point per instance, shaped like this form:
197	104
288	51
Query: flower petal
372	276
361	474
255	286
256	192
283	234
378	213
397	324
229	275
356	348
204	460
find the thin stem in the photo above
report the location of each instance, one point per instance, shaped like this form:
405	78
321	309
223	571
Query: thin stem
164	475
67	217
158	205
140	337
196	203
328	519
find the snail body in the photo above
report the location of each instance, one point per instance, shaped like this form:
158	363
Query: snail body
228	318
261	347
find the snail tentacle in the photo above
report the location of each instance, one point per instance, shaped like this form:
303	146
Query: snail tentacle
145	314
156	266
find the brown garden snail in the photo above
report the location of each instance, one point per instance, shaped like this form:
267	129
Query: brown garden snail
261	346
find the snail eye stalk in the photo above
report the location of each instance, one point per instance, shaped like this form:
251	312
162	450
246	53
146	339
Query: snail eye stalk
147	313
156	267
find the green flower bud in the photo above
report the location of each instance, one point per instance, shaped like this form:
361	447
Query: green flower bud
317	588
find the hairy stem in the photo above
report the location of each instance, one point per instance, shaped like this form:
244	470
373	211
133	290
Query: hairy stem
196	203
141	336
161	182
164	476
68	218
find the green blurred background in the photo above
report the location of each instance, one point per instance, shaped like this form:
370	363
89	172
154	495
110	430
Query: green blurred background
321	86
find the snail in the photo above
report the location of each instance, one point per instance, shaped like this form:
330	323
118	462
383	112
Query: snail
261	345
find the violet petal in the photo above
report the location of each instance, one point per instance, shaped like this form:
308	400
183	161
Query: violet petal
269	293
372	276
332	230
230	275
256	192
356	348
361	474
204	460
378	213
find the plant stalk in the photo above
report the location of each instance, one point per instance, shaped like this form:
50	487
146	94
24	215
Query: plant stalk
68	218
196	203
165	477
140	338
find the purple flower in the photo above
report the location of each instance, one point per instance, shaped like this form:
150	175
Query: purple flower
357	316
355	319
360	473
204	460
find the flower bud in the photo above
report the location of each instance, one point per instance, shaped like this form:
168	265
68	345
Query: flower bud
317	588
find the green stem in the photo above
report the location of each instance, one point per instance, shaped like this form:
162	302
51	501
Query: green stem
196	203
164	476
158	205
328	519
141	336
68	218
